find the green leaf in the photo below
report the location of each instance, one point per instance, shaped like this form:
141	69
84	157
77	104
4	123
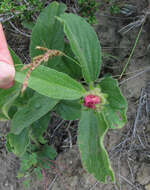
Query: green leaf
110	86
28	24
28	160
18	143
24	98
13	109
3	117
92	128
115	111
52	83
46	155
84	43
38	173
48	32
69	110
114	118
37	106
7	98
26	183
68	66
40	126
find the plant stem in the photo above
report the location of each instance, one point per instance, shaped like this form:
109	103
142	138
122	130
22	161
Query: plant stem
91	85
35	140
131	54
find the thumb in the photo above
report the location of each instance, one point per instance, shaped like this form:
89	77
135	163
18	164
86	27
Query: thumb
7	70
7	75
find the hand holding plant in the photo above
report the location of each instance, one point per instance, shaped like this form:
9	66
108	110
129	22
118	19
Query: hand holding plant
57	87
7	70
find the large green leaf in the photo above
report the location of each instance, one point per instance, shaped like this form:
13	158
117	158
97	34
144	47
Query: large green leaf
84	43
52	83
37	106
18	143
69	110
92	128
48	32
115	111
7	97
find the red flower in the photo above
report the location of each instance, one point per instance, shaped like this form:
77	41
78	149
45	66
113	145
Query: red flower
90	101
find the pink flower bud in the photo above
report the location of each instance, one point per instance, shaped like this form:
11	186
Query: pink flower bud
90	101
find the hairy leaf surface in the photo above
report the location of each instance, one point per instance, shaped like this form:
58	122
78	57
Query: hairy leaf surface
52	83
84	43
48	32
18	143
39	127
7	97
92	128
37	106
115	111
69	110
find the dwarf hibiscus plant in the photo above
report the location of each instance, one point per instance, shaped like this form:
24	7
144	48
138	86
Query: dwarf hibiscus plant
63	76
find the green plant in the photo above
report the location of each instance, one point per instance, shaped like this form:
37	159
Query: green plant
98	105
114	7
24	10
88	9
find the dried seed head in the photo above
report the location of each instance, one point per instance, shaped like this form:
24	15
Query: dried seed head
52	53
37	61
49	53
41	48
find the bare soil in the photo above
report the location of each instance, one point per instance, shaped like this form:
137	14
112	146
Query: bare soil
129	148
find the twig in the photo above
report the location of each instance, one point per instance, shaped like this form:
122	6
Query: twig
52	183
61	122
3	19
123	142
129	182
70	138
119	175
145	139
142	144
93	186
132	176
138	112
20	32
138	74
132	25
131	54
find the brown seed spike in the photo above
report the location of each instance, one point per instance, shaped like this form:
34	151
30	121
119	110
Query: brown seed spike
42	48
26	66
25	84
37	61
